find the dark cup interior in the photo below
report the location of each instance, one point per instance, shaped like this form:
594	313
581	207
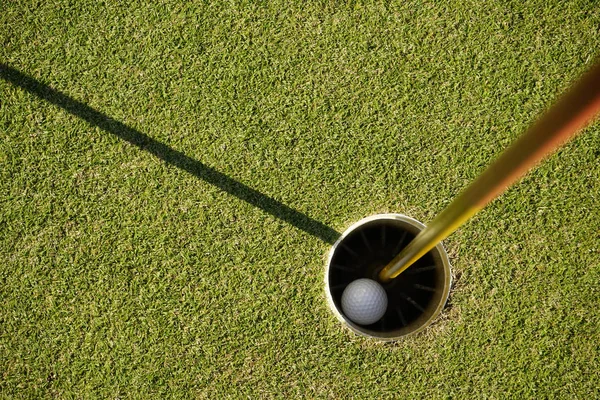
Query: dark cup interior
414	297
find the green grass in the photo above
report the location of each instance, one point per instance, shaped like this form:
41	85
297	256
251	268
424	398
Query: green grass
125	276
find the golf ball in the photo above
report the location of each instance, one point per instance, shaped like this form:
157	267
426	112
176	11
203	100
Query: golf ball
364	301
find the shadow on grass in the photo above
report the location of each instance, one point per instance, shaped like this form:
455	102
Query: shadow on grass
169	155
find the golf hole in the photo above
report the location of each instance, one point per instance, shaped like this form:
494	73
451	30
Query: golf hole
415	298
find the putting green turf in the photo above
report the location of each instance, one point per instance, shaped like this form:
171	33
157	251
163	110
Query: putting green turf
123	275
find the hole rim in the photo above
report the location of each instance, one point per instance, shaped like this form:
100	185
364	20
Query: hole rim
441	262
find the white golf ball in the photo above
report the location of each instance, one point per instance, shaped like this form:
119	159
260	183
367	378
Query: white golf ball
364	301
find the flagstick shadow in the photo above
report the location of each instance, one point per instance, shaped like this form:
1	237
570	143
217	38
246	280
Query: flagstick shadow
169	155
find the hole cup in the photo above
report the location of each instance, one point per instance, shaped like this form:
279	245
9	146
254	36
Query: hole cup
415	298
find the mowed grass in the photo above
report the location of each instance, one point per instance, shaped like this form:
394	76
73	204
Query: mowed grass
124	276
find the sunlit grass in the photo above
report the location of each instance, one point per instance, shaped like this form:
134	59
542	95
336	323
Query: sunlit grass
124	275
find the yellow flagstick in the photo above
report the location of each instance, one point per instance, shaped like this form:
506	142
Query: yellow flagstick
573	111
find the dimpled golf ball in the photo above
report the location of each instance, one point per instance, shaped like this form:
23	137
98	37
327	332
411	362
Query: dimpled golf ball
364	301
